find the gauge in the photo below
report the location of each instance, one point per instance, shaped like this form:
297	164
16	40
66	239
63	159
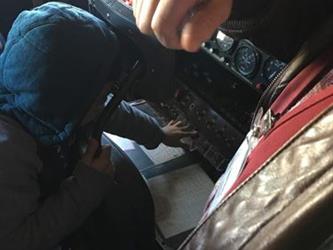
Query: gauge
224	42
246	60
271	68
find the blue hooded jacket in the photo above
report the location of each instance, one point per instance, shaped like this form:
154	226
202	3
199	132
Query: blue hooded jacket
54	65
55	62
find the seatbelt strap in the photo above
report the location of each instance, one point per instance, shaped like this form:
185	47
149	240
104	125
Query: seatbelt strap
298	87
285	129
292	122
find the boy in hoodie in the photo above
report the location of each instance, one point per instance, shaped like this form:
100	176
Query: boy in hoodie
51	71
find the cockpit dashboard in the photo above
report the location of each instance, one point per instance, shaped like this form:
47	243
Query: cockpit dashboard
215	92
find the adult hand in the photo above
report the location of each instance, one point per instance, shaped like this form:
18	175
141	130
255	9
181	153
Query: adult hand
181	24
101	162
174	131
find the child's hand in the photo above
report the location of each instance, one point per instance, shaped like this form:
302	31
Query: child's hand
101	162
174	132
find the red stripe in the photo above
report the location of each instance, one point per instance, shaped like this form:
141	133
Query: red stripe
295	89
287	126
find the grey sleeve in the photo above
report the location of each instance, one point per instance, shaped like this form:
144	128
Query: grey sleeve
26	223
130	122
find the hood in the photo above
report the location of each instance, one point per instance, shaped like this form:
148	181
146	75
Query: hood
56	61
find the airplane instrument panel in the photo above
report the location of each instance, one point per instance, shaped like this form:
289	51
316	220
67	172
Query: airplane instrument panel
215	89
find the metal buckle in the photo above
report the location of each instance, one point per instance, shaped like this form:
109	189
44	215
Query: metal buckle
262	123
267	122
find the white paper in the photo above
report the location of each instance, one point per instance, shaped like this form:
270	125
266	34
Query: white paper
180	197
163	153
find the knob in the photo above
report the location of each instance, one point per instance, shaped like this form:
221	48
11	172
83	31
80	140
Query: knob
210	123
192	106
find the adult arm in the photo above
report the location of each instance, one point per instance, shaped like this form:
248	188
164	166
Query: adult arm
181	24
